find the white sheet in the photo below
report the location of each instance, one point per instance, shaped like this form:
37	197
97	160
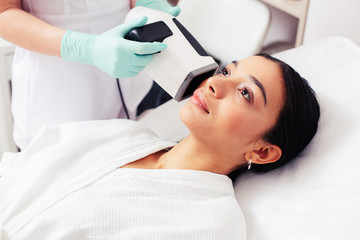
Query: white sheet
61	160
318	196
67	185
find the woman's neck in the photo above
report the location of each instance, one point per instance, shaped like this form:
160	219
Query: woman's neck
187	154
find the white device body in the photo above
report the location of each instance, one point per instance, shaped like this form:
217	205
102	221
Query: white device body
175	67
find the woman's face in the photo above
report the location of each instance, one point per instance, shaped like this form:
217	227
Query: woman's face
230	112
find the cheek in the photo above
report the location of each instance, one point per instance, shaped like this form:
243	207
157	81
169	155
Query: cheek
234	123
244	125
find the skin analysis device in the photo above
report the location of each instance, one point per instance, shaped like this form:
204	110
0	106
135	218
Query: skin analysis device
184	64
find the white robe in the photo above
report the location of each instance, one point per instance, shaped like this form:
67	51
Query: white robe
67	185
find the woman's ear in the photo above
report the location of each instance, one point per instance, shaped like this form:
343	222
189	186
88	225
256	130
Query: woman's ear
266	154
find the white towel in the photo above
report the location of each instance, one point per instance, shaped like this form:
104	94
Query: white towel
67	185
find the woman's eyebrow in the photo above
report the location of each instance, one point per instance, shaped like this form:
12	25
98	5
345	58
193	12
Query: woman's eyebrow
258	83
254	80
235	63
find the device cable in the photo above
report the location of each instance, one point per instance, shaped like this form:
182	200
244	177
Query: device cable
122	98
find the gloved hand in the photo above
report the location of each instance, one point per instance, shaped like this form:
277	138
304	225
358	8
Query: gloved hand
161	5
109	51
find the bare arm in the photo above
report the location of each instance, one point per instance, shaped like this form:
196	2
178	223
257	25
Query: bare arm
27	31
132	3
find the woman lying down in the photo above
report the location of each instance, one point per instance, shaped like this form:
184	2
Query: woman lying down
115	179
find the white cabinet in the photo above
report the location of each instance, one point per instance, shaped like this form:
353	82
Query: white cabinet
296	9
333	17
6	123
304	21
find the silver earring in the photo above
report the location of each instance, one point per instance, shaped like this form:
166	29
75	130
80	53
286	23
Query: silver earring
249	164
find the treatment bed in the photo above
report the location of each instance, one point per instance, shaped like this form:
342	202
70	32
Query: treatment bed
318	195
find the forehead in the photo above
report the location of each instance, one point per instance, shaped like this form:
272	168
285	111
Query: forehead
263	69
260	66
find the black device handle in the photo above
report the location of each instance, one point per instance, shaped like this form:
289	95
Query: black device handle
153	32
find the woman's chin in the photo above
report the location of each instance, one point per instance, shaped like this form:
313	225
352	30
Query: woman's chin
189	116
185	115
192	117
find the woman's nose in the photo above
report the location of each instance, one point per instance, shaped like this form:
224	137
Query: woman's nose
215	86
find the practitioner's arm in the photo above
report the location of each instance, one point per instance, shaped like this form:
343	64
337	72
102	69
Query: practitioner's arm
28	31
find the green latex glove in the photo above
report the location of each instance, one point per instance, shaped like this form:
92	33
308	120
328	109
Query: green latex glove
161	5
109	51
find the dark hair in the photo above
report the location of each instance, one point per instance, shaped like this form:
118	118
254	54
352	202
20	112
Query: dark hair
297	122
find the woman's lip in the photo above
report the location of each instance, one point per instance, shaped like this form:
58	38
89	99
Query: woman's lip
198	99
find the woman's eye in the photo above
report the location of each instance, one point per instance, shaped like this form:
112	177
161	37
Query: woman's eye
246	94
225	72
